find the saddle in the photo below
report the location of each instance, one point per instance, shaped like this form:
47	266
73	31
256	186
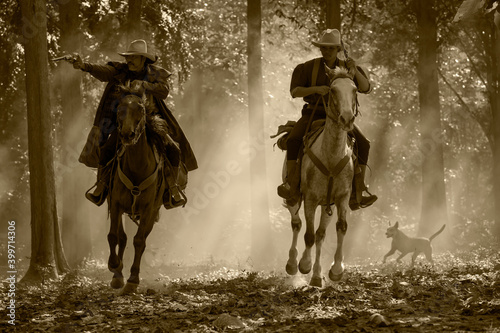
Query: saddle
315	130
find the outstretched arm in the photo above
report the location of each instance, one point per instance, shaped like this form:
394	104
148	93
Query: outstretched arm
103	73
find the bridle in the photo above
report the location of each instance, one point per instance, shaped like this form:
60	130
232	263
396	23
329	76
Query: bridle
141	125
334	114
331	174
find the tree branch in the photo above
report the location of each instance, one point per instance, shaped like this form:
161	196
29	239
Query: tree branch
483	125
455	92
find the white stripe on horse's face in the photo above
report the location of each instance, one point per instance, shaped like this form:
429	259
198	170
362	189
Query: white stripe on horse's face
343	102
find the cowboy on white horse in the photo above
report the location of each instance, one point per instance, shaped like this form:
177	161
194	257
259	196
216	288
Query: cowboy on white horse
310	81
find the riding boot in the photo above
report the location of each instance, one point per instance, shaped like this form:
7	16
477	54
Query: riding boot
101	186
289	190
173	195
357	199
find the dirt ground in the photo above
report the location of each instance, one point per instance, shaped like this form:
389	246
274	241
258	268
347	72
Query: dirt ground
461	293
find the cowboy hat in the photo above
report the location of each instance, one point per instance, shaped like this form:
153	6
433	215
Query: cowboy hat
138	47
330	37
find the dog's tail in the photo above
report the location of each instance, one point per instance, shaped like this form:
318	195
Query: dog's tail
437	233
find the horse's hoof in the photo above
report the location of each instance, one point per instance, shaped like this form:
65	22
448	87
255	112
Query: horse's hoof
335	277
304	268
130	288
117	283
316	282
291	268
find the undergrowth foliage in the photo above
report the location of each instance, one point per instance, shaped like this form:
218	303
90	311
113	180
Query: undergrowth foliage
460	293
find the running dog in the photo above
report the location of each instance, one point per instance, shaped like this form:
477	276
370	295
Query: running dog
405	244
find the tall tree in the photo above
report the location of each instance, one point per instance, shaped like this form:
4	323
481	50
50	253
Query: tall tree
76	229
481	12
258	175
495	85
434	209
333	18
47	255
134	26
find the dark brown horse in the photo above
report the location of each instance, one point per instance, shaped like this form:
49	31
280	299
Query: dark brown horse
137	187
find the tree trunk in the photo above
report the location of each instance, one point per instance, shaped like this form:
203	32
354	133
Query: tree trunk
75	218
333	19
47	255
434	211
495	110
258	176
134	25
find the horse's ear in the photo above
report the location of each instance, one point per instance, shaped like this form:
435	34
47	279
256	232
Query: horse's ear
329	72
397	224
389	223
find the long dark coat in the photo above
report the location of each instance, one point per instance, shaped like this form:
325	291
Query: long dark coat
155	83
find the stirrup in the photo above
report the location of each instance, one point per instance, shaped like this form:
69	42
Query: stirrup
368	201
96	199
365	202
285	191
173	203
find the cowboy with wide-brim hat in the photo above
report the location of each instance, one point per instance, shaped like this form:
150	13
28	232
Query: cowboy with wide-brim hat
311	82
330	37
152	81
138	47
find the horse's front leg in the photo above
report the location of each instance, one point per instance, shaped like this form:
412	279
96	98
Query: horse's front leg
145	227
291	265
337	268
115	263
117	281
316	279
305	263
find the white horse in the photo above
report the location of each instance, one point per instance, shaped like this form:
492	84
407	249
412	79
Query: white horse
326	178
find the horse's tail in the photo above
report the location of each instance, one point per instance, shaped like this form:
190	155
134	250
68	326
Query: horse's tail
437	233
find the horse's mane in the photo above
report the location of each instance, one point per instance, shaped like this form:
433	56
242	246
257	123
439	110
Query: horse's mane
157	131
341	72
